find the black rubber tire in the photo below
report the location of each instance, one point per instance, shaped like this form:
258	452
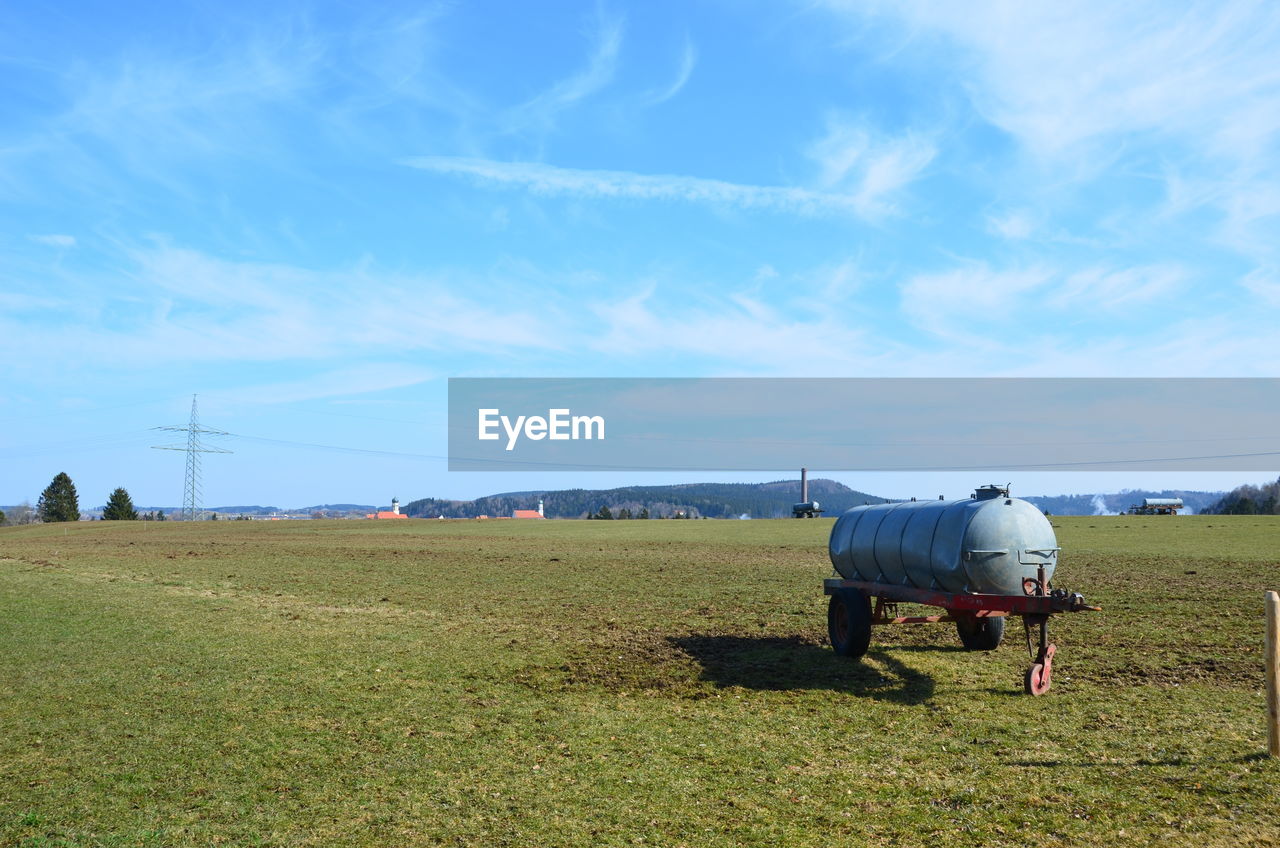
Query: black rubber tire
849	623
980	634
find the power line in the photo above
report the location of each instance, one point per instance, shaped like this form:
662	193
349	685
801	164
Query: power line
194	447
582	466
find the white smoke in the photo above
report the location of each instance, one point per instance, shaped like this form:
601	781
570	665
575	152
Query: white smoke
1100	506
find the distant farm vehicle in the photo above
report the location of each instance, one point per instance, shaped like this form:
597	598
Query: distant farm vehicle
1157	506
806	508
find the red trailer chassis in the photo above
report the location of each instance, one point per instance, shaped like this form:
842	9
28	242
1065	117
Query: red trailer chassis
851	616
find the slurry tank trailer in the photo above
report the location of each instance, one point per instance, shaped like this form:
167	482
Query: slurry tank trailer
806	508
981	559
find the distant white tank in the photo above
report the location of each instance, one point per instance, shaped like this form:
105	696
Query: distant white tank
987	544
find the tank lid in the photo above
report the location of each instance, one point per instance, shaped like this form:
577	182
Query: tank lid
989	491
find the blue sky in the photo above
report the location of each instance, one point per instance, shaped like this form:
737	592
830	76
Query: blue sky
313	215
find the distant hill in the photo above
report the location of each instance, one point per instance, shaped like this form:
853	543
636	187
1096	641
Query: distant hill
335	509
698	500
343	507
242	510
1110	504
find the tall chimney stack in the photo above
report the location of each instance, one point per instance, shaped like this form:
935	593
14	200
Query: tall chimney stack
804	485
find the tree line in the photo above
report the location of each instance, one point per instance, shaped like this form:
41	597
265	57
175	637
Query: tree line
687	500
59	502
1249	500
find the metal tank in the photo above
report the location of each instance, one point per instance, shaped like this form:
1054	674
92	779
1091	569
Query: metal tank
987	544
806	508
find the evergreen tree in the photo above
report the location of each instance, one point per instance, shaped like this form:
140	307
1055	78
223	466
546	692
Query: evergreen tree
58	501
644	512
605	513
1245	506
1	516
119	507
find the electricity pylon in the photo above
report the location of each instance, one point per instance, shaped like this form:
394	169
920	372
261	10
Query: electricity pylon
193	448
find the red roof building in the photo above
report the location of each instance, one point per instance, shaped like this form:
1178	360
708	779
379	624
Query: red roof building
393	513
527	513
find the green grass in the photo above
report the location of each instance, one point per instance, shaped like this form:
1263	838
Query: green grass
612	683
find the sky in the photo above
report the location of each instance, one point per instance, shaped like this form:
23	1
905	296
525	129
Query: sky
310	216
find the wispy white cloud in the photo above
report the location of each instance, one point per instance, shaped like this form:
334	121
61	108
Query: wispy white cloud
867	169
961	304
150	109
1095	89
1011	225
365	378
54	240
549	180
539	112
1057	75
986	308
186	306
688	58
744	334
1264	283
553	181
1107	289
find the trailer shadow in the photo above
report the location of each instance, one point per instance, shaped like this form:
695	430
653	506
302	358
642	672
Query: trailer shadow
774	663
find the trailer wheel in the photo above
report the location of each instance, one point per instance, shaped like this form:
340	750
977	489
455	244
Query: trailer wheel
980	633
849	622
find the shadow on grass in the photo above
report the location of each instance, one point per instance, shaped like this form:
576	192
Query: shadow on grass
930	649
1009	691
780	663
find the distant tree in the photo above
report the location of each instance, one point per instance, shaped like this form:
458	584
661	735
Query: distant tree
119	507
1245	506
2	518
624	513
605	514
644	512
22	514
317	515
213	517
58	501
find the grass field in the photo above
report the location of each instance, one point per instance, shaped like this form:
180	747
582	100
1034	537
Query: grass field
612	683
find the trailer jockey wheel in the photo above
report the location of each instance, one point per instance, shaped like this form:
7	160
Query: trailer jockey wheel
849	622
1040	676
